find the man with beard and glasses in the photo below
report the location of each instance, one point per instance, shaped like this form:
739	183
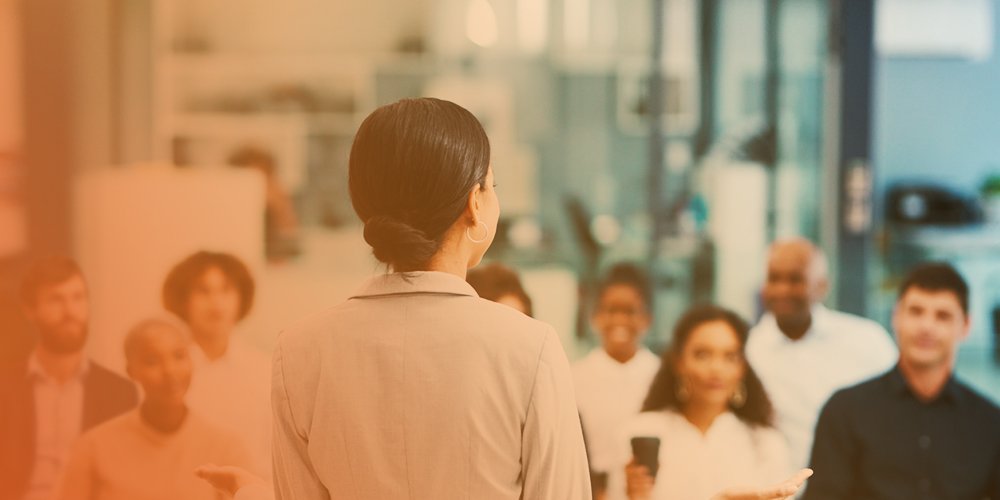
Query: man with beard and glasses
55	394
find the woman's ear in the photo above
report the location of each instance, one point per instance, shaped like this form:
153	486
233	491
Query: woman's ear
472	205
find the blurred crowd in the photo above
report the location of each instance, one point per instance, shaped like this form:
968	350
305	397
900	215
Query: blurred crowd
725	404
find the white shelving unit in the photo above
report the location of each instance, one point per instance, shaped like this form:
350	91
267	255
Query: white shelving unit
211	99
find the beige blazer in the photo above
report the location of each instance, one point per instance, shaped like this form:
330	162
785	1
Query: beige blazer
416	388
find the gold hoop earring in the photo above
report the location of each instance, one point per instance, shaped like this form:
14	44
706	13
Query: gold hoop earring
740	396
682	392
486	233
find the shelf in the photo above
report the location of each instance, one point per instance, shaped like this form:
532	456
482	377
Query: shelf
230	123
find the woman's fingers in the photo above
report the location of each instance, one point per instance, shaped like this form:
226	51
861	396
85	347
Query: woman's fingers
781	491
226	478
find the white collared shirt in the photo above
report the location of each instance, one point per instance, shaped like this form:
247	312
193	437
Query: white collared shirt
233	392
608	393
696	466
58	423
838	351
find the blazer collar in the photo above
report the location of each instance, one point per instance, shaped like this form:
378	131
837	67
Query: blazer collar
36	372
419	282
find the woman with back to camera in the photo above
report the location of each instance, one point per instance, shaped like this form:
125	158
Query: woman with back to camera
415	387
710	413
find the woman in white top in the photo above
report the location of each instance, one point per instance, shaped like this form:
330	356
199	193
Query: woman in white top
710	413
213	292
415	387
612	380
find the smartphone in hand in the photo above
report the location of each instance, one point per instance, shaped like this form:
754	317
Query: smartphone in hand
646	451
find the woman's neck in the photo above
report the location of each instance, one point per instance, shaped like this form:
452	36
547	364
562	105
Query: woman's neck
165	418
451	259
213	346
450	267
622	355
702	415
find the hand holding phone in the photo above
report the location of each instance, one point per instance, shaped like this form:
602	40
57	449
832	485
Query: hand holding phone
646	451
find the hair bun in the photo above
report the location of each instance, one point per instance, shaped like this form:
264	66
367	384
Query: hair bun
397	243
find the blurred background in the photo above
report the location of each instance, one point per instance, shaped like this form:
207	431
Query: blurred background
683	135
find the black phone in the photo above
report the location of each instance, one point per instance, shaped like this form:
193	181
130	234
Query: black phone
598	482
646	451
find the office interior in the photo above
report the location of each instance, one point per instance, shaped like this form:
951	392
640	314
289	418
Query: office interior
682	135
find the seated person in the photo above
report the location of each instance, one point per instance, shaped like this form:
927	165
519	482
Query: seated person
150	453
915	431
499	283
710	413
612	380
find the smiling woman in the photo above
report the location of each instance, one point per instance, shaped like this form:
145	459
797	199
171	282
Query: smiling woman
711	412
612	380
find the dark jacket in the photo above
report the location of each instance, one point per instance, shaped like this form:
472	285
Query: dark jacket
105	395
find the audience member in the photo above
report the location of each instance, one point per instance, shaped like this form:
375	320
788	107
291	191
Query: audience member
916	431
801	350
613	379
57	393
212	292
710	413
281	224
499	283
151	453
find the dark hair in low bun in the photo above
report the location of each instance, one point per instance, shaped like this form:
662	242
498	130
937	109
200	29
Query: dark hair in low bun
412	166
398	243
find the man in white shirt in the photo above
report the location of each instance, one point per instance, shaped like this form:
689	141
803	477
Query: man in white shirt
802	351
54	395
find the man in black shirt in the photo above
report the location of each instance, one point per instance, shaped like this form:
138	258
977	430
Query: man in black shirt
915	432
